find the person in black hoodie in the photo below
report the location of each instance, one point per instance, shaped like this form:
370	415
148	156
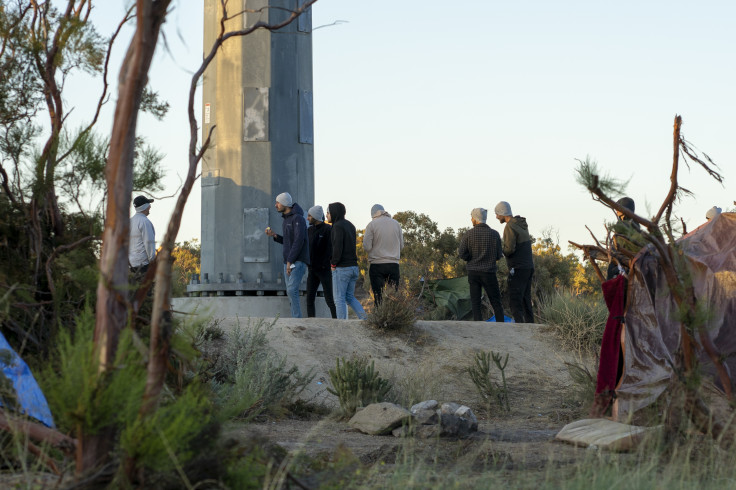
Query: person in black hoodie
517	247
320	253
296	247
344	262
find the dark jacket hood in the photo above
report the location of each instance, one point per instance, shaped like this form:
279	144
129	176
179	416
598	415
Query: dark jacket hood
337	211
295	210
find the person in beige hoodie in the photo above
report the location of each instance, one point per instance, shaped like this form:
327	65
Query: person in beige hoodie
383	241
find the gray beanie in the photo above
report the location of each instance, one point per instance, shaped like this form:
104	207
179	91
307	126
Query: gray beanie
317	213
376	210
503	209
285	199
479	214
712	212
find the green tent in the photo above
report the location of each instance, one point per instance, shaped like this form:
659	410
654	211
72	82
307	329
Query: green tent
453	294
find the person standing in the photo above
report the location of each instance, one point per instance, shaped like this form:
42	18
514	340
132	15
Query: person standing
383	242
320	253
142	248
344	262
625	228
481	248
296	247
517	247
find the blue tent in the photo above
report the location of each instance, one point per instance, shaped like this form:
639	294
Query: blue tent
30	397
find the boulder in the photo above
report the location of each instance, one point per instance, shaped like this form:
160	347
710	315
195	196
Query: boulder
426	417
380	418
449	408
425	405
466	413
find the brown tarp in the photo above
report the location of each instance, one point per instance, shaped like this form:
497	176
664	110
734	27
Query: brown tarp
652	328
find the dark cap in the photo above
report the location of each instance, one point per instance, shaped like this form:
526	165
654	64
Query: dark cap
628	203
141	200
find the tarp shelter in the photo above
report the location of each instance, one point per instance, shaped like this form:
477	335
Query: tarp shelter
651	325
453	294
29	395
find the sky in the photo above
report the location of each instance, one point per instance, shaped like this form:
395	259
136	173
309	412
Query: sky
441	107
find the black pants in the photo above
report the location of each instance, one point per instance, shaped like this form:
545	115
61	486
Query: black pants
489	282
520	295
314	278
380	275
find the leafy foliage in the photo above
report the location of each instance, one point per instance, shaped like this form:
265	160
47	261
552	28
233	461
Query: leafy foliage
187	257
356	384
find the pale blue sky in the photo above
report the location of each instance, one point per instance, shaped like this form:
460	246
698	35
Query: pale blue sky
440	107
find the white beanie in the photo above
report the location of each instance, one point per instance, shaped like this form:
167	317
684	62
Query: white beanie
376	210
479	214
712	212
285	199
503	209
317	213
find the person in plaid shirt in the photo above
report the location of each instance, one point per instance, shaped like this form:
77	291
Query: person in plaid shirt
481	248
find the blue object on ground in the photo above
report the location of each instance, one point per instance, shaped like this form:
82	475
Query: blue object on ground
506	319
30	397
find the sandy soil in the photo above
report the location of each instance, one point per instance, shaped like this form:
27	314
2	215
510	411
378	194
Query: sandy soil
434	358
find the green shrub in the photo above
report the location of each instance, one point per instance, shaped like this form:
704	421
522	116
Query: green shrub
480	374
356	384
396	312
577	321
247	375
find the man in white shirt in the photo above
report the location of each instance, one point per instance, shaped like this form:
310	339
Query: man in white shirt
142	249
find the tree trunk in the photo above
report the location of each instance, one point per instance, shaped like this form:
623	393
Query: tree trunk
111	314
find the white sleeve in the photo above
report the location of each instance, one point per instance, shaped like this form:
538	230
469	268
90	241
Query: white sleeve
149	240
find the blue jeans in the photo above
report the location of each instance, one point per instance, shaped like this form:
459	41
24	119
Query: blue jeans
293	281
343	290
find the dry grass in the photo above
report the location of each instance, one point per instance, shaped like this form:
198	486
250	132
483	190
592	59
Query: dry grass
576	321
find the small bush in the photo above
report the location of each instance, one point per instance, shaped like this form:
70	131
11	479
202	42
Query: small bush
480	374
577	321
247	375
356	384
397	311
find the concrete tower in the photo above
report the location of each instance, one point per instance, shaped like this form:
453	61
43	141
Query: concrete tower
258	94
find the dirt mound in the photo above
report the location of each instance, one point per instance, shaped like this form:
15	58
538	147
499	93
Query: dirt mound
434	354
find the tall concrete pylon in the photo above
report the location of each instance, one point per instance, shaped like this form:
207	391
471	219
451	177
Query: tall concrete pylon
258	94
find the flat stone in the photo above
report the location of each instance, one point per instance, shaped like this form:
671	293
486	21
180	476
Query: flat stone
380	418
604	434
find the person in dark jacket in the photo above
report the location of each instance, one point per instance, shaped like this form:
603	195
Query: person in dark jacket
481	248
628	229
517	247
344	262
296	247
320	253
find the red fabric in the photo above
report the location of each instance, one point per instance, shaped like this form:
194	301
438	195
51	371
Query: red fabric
613	293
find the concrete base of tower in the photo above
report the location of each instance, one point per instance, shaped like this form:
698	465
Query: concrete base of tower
246	306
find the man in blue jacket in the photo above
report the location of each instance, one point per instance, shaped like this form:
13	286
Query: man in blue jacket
296	247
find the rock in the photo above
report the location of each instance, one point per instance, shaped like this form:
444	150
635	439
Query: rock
425	405
466	413
426	417
449	408
403	431
379	418
427	431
